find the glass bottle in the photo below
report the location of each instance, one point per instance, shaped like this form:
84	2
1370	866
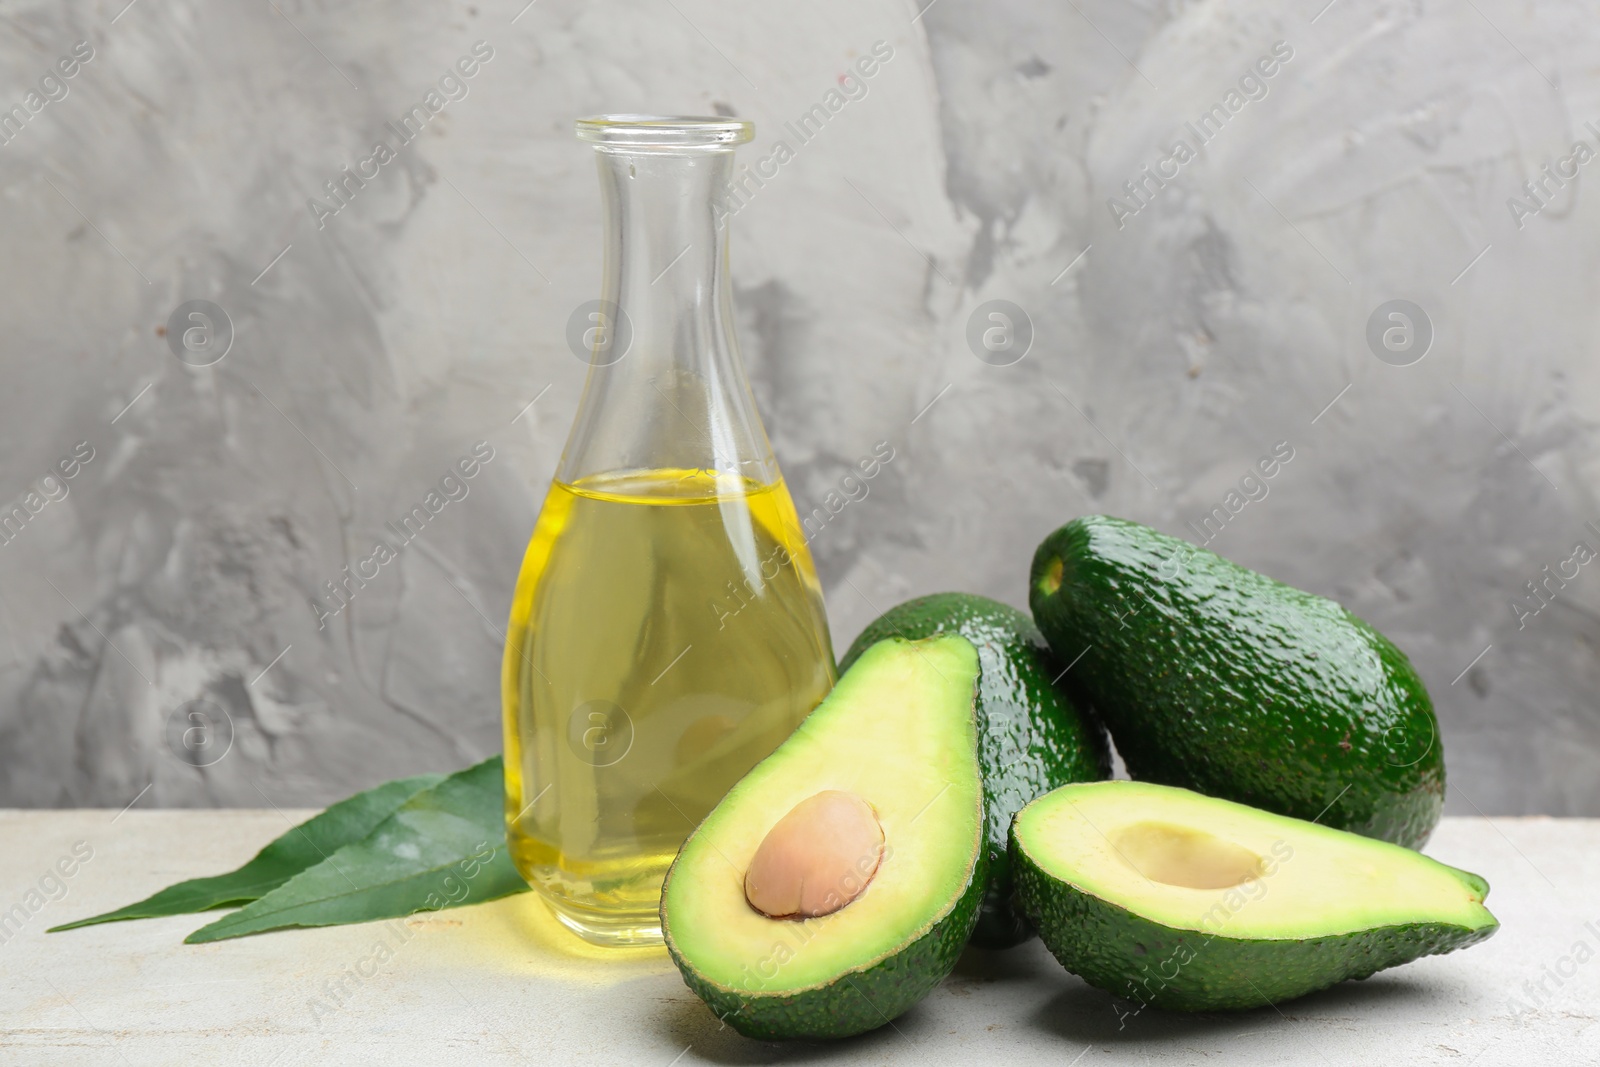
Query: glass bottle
667	630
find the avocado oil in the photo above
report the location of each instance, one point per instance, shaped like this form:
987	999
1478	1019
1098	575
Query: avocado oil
666	635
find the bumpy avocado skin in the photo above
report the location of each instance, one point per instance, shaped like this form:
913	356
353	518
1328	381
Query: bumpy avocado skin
1189	970
1032	738
857	1001
1219	679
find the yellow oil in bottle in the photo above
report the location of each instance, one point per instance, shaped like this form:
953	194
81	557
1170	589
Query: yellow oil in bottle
666	634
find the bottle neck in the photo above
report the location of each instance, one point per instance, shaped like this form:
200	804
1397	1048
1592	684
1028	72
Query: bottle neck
665	258
666	387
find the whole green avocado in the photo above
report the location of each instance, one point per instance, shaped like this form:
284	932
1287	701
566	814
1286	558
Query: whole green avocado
1219	679
1033	738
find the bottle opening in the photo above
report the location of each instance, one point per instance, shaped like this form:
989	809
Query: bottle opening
664	131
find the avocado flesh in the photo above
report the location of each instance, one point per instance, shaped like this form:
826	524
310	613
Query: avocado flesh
1183	901
1216	678
900	731
1033	737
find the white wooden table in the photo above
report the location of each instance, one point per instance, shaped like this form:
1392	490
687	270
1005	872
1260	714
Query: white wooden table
501	983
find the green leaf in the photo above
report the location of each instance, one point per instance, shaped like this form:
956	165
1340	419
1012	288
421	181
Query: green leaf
304	846
443	848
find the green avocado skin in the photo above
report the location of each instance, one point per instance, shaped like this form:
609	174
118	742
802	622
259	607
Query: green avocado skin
1032	738
1219	679
1192	970
856	1001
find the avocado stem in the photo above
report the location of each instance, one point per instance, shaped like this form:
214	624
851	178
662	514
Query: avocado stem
1051	579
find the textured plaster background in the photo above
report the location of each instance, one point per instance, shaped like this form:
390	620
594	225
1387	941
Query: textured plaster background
1224	317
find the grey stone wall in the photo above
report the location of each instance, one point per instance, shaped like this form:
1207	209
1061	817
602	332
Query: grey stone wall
1233	297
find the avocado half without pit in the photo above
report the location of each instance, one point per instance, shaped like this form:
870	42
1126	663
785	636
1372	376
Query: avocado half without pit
1183	901
835	885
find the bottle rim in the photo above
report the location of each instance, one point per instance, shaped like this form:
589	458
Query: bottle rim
664	131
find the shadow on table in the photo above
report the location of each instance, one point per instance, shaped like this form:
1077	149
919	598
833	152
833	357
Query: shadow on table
689	1023
1068	1010
1082	1014
1077	1015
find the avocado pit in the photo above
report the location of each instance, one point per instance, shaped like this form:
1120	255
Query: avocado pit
817	858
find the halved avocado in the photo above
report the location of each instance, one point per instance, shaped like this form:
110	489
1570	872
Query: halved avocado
1183	901
881	784
1033	736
